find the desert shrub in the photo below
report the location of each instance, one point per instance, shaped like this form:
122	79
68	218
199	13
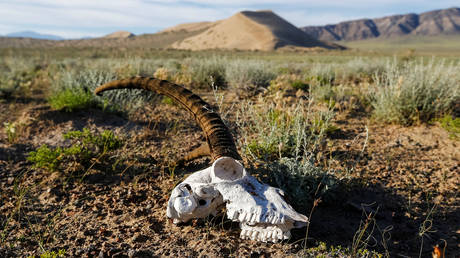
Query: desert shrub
74	91
361	68
85	146
206	73
413	91
321	74
16	75
300	180
47	158
269	132
249	74
324	93
72	99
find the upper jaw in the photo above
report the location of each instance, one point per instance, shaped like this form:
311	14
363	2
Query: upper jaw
263	213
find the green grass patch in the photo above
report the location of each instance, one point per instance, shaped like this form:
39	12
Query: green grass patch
300	85
72	99
451	125
85	147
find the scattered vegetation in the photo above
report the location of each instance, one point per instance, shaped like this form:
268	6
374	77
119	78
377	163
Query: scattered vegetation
17	76
323	250
282	127
85	147
53	254
74	91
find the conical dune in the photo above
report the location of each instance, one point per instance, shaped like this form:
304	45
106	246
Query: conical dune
247	30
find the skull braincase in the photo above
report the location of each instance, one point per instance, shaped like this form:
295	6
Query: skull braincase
261	210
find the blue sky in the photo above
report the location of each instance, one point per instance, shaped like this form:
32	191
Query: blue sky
79	18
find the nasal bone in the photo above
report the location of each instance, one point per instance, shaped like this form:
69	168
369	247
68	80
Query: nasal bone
184	205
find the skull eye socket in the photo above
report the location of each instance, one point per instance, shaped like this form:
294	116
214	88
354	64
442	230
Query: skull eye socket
202	202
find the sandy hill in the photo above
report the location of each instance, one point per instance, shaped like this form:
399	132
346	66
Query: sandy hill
119	34
433	23
188	27
247	30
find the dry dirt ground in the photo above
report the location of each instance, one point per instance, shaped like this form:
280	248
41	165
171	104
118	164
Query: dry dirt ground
406	181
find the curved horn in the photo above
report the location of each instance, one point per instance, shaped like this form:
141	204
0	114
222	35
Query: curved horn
218	136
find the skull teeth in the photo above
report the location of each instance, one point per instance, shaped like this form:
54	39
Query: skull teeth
264	234
253	217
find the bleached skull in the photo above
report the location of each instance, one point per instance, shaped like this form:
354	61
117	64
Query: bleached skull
261	210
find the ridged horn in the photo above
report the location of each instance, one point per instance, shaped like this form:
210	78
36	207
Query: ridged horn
218	136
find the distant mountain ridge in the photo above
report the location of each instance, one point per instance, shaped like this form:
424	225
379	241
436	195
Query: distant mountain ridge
33	35
432	23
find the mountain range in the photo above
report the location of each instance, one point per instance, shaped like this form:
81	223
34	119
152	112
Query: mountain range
433	23
264	30
32	34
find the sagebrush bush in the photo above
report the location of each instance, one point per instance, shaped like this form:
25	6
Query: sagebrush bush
249	74
208	72
269	132
300	180
415	91
16	75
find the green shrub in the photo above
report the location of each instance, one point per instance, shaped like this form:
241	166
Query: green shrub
85	146
413	91
75	92
300	85
106	141
451	125
47	158
72	99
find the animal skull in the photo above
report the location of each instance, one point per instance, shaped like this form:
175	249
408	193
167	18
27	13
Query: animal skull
261	210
